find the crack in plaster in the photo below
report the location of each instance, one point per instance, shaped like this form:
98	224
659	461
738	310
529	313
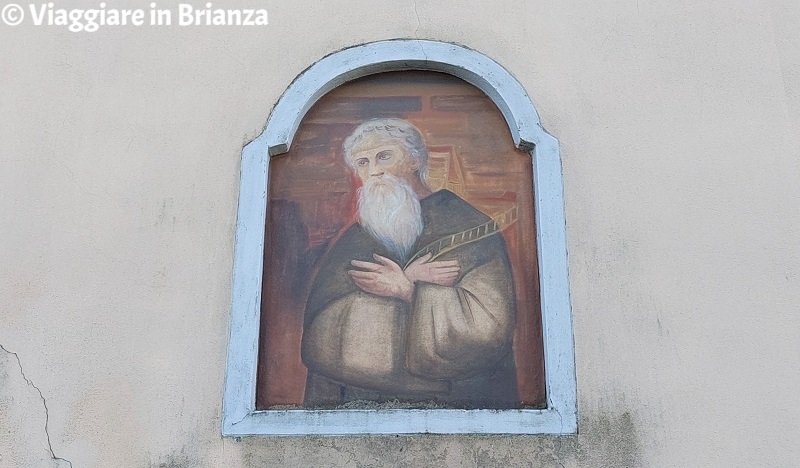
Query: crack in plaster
242	419
44	403
416	31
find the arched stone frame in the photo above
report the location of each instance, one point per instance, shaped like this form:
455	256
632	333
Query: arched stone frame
560	417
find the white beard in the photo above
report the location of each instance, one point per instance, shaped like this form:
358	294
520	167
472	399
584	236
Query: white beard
389	210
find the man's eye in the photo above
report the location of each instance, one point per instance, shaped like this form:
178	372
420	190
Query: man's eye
362	162
384	155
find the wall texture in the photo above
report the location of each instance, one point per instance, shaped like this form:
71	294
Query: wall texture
680	131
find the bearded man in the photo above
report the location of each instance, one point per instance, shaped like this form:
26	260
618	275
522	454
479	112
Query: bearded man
415	302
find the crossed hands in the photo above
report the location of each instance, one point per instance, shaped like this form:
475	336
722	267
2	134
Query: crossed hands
387	279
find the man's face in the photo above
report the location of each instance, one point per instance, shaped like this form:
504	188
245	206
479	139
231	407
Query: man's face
381	155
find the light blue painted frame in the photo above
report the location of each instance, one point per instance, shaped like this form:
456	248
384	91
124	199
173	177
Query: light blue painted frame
560	417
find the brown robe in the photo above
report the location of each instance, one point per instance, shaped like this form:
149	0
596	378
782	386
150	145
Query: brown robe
450	346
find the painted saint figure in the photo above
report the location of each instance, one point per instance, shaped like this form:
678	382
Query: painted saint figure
415	302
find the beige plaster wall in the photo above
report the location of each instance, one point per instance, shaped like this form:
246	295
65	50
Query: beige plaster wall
680	129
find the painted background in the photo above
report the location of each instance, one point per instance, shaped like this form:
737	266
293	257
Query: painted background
679	124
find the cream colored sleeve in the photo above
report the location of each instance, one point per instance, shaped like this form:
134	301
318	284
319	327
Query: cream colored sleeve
359	340
458	331
352	339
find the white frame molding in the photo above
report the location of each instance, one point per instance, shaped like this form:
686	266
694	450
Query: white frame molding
240	418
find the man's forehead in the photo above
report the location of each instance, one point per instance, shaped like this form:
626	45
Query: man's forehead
372	142
371	145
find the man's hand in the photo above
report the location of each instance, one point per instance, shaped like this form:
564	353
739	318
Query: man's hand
442	273
385	278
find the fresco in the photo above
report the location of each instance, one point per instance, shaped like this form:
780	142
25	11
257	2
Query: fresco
400	255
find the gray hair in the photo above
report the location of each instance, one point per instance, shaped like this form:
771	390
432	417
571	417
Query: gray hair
397	129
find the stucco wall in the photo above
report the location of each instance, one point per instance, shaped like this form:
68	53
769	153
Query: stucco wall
680	131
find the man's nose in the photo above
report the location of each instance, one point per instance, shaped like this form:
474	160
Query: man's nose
374	170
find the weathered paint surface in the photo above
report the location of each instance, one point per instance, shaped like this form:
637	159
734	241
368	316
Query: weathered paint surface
679	126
